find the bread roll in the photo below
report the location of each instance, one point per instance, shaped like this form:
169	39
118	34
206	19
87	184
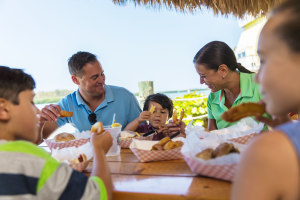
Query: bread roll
64	137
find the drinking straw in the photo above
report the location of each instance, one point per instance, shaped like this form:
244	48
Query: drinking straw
114	118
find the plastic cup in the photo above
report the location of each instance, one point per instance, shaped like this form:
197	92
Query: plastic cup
116	135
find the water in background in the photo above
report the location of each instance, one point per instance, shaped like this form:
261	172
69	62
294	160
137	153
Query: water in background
70	129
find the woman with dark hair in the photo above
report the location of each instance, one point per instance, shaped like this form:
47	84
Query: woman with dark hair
269	168
231	84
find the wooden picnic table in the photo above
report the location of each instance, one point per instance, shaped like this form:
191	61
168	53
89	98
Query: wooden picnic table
160	180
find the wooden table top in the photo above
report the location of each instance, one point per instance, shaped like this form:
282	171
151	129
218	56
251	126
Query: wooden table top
160	180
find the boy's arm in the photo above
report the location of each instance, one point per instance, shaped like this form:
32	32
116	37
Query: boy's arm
132	126
45	130
101	144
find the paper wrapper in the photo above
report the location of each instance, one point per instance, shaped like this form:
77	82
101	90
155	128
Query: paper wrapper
223	167
126	143
65	154
80	139
246	126
142	150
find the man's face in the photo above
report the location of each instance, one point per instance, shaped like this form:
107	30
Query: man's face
24	118
93	80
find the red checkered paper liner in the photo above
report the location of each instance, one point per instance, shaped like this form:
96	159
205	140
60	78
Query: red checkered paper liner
224	172
126	143
223	167
60	145
243	140
148	156
79	166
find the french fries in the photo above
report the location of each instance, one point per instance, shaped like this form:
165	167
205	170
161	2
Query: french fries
152	109
175	120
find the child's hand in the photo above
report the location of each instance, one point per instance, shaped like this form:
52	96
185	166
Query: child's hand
144	116
163	129
102	141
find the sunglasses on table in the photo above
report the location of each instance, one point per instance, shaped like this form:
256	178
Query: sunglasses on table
92	118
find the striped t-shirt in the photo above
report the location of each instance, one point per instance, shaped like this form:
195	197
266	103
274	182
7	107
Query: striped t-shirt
29	172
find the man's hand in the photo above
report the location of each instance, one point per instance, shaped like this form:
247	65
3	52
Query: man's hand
144	116
174	128
103	141
49	113
163	129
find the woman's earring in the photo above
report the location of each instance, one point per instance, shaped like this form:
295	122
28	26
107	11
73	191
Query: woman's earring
223	77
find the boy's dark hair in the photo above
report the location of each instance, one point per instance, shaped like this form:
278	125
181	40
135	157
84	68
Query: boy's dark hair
78	60
161	99
12	82
289	30
216	53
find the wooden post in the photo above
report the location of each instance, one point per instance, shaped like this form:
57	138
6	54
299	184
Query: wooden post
145	89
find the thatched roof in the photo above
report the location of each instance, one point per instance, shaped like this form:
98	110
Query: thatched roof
237	8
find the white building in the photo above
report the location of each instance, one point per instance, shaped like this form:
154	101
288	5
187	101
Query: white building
246	50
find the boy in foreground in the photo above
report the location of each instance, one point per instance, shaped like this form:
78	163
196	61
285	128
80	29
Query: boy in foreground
29	172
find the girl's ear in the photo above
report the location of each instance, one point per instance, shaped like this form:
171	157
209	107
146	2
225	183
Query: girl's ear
4	110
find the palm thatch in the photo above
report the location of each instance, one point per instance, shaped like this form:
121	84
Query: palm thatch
238	8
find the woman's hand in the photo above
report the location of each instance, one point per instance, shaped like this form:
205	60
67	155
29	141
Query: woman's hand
174	128
144	116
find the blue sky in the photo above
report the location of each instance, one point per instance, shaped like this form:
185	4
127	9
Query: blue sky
132	43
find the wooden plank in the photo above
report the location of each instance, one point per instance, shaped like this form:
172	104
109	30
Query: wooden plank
161	188
155	168
130	157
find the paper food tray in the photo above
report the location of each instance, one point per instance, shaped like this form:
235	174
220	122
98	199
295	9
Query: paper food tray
142	150
223	167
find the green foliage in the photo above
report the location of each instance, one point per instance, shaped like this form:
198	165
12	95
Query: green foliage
47	100
50	97
193	108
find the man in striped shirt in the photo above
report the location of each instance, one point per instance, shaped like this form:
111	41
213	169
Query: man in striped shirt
28	172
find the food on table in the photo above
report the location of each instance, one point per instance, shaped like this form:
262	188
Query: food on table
130	137
206	154
64	113
81	158
223	149
97	128
243	110
152	109
157	147
163	141
64	137
175	120
115	125
166	144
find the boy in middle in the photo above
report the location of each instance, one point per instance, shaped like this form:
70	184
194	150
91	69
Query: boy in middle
157	121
